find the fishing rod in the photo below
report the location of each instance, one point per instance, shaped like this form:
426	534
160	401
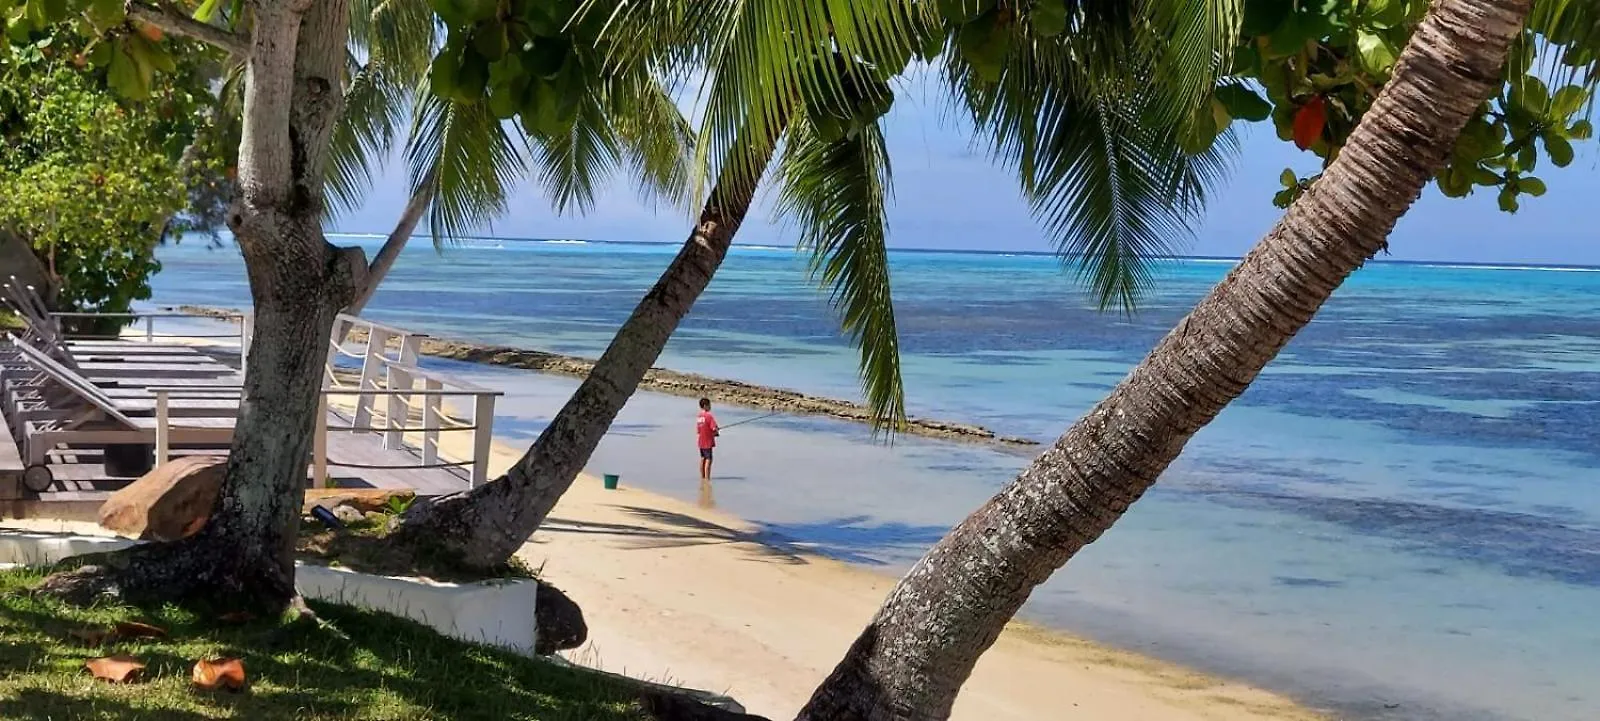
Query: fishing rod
750	420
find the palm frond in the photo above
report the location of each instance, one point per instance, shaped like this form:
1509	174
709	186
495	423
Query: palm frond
1095	144
573	163
375	110
836	192
762	59
1195	44
400	36
1567	36
655	140
469	157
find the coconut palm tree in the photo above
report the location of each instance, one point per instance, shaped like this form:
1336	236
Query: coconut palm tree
919	649
1085	100
293	165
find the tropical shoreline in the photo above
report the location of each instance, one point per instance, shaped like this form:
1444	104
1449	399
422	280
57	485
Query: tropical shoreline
692	385
700	598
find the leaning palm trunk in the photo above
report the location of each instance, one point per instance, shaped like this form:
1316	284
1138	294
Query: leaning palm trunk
297	282
485	526
911	661
390	252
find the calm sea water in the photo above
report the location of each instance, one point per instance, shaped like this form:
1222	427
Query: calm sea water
1400	519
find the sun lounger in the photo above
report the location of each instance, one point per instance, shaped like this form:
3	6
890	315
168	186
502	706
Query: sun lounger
100	422
44	330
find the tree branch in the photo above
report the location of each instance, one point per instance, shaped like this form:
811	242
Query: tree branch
174	20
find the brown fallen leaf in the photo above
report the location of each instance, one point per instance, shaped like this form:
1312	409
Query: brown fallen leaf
237	617
226	673
116	669
134	629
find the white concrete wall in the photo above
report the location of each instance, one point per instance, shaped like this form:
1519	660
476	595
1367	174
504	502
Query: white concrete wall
497	613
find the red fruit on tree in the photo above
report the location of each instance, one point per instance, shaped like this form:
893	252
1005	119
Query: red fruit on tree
1309	121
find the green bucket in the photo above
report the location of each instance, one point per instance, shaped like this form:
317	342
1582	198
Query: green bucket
610	481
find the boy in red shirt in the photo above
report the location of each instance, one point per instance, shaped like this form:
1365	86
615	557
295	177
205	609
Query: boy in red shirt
705	427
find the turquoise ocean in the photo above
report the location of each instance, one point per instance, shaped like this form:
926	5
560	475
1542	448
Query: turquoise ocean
1399	520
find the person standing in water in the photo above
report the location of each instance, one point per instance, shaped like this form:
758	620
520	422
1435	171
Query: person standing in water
705	426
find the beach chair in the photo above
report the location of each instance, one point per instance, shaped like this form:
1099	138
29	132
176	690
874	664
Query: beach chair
44	331
99	422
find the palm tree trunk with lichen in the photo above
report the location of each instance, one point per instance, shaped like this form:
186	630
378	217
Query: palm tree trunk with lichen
298	282
910	662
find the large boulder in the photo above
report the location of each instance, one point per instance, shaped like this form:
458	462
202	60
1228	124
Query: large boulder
168	503
559	621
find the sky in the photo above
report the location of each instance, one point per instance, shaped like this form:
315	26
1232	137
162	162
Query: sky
948	194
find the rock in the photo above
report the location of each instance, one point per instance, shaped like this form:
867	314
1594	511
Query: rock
168	503
348	514
676	705
559	621
672	703
375	517
361	499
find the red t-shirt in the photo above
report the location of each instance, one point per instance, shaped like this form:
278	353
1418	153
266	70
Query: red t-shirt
705	426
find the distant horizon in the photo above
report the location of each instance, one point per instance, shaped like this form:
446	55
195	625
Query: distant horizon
1487	265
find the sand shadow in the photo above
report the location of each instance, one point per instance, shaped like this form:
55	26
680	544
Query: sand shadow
848	539
677	530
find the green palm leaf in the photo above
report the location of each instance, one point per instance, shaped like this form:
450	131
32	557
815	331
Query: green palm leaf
656	141
1096	147
836	193
375	111
470	160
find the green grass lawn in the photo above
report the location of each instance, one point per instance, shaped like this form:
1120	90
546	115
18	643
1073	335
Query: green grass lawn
355	665
9	320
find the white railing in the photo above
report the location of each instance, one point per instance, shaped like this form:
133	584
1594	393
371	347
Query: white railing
164	397
384	344
389	370
148	320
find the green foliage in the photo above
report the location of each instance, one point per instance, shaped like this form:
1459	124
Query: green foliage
1321	65
88	184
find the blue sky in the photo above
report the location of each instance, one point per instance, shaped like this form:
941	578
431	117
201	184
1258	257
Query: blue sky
948	196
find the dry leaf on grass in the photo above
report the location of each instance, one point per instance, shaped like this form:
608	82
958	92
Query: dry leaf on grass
134	629
116	669
227	673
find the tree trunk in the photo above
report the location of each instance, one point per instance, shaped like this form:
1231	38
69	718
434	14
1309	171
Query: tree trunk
17	259
485	526
297	283
390	252
911	661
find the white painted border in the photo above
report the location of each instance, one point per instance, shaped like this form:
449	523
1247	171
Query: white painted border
497	613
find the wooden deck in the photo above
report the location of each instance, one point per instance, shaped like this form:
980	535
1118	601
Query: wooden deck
353	459
80	477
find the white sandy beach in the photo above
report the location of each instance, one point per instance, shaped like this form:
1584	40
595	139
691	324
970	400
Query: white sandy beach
675	592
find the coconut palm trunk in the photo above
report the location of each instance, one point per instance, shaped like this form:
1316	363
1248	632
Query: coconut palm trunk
912	659
383	262
485	526
295	54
